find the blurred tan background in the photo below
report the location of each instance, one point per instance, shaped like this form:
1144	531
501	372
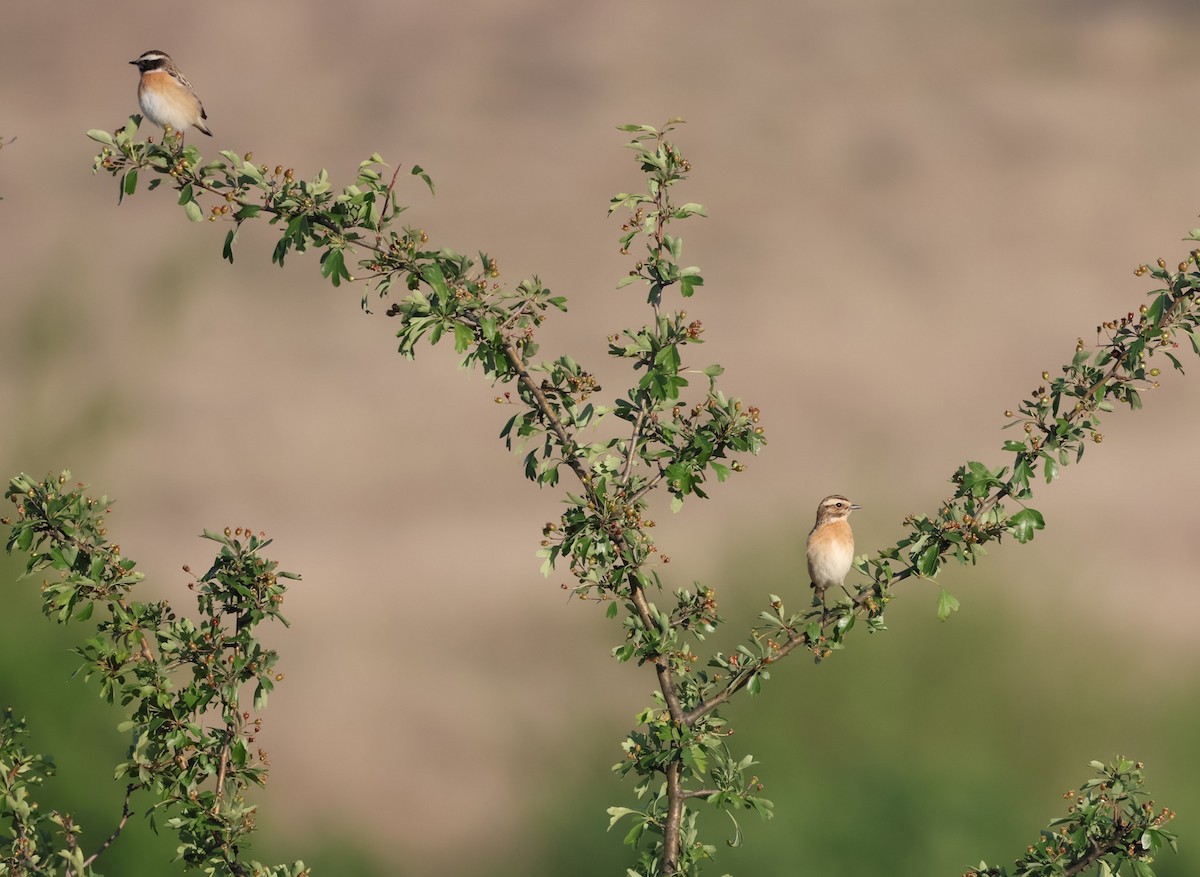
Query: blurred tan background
915	208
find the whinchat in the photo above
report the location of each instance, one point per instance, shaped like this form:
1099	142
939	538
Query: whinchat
831	544
165	95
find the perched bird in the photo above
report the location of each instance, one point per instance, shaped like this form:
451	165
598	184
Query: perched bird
831	544
165	95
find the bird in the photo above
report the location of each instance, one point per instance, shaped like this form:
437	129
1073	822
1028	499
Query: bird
831	544
165	95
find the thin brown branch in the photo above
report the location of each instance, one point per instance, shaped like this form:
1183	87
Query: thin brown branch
1096	854
222	770
126	812
651	483
671	831
631	453
387	200
570	449
662	664
637	595
791	644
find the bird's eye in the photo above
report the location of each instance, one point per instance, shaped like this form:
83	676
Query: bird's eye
839	505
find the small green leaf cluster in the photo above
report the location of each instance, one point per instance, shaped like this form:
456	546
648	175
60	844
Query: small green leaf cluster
649	213
182	682
1110	822
33	835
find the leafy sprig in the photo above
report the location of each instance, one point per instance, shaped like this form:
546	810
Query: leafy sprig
189	686
1109	822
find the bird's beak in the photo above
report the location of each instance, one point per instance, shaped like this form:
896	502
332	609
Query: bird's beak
133	62
853	506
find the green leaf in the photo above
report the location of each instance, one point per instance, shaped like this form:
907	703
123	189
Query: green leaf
946	604
1025	523
668	359
192	209
687	284
617	813
101	136
333	266
227	250
1050	467
463	336
418	171
978	479
129	183
929	560
695	759
432	274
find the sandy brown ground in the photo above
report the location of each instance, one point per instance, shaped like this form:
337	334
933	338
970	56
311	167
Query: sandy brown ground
915	208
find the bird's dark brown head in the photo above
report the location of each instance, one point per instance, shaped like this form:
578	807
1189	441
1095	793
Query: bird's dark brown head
152	60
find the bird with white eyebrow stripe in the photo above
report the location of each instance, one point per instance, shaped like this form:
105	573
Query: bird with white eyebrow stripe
165	95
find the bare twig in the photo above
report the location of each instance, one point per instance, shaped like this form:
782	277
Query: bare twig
126	812
631	452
